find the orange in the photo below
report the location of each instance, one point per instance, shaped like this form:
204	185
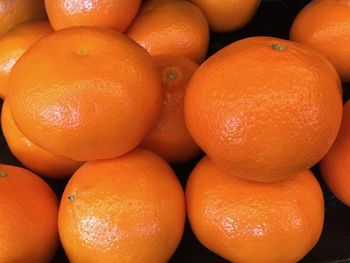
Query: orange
85	93
265	108
228	15
246	221
32	156
324	25
14	43
28	215
171	27
114	14
335	165
170	138
14	12
127	209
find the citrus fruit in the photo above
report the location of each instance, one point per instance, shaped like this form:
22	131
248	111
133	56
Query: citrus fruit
28	214
228	15
14	43
15	12
93	92
170	138
171	27
114	14
324	25
264	108
32	156
245	221
336	164
127	209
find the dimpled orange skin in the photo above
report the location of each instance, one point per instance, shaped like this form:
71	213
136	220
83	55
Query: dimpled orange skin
329	33
32	156
14	43
170	138
269	113
14	12
94	92
228	15
171	27
336	164
128	209
114	14
245	221
28	214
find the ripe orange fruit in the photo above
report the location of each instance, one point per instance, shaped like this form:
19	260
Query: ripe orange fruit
228	15
171	27
15	12
32	156
114	14
169	137
329	33
93	92
129	209
14	43
336	164
28	215
245	221
264	107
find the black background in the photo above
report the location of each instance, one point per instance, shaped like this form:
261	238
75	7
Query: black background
273	18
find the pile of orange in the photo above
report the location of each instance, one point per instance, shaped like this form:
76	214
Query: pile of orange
88	87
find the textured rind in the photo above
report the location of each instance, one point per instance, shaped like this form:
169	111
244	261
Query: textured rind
171	27
32	156
130	208
335	165
329	34
264	113
114	14
170	137
85	93
14	44
228	15
245	221
28	212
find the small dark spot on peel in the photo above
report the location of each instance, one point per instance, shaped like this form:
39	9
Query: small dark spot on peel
72	196
3	174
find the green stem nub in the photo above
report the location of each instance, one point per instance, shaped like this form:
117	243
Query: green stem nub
278	47
171	75
82	52
3	174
